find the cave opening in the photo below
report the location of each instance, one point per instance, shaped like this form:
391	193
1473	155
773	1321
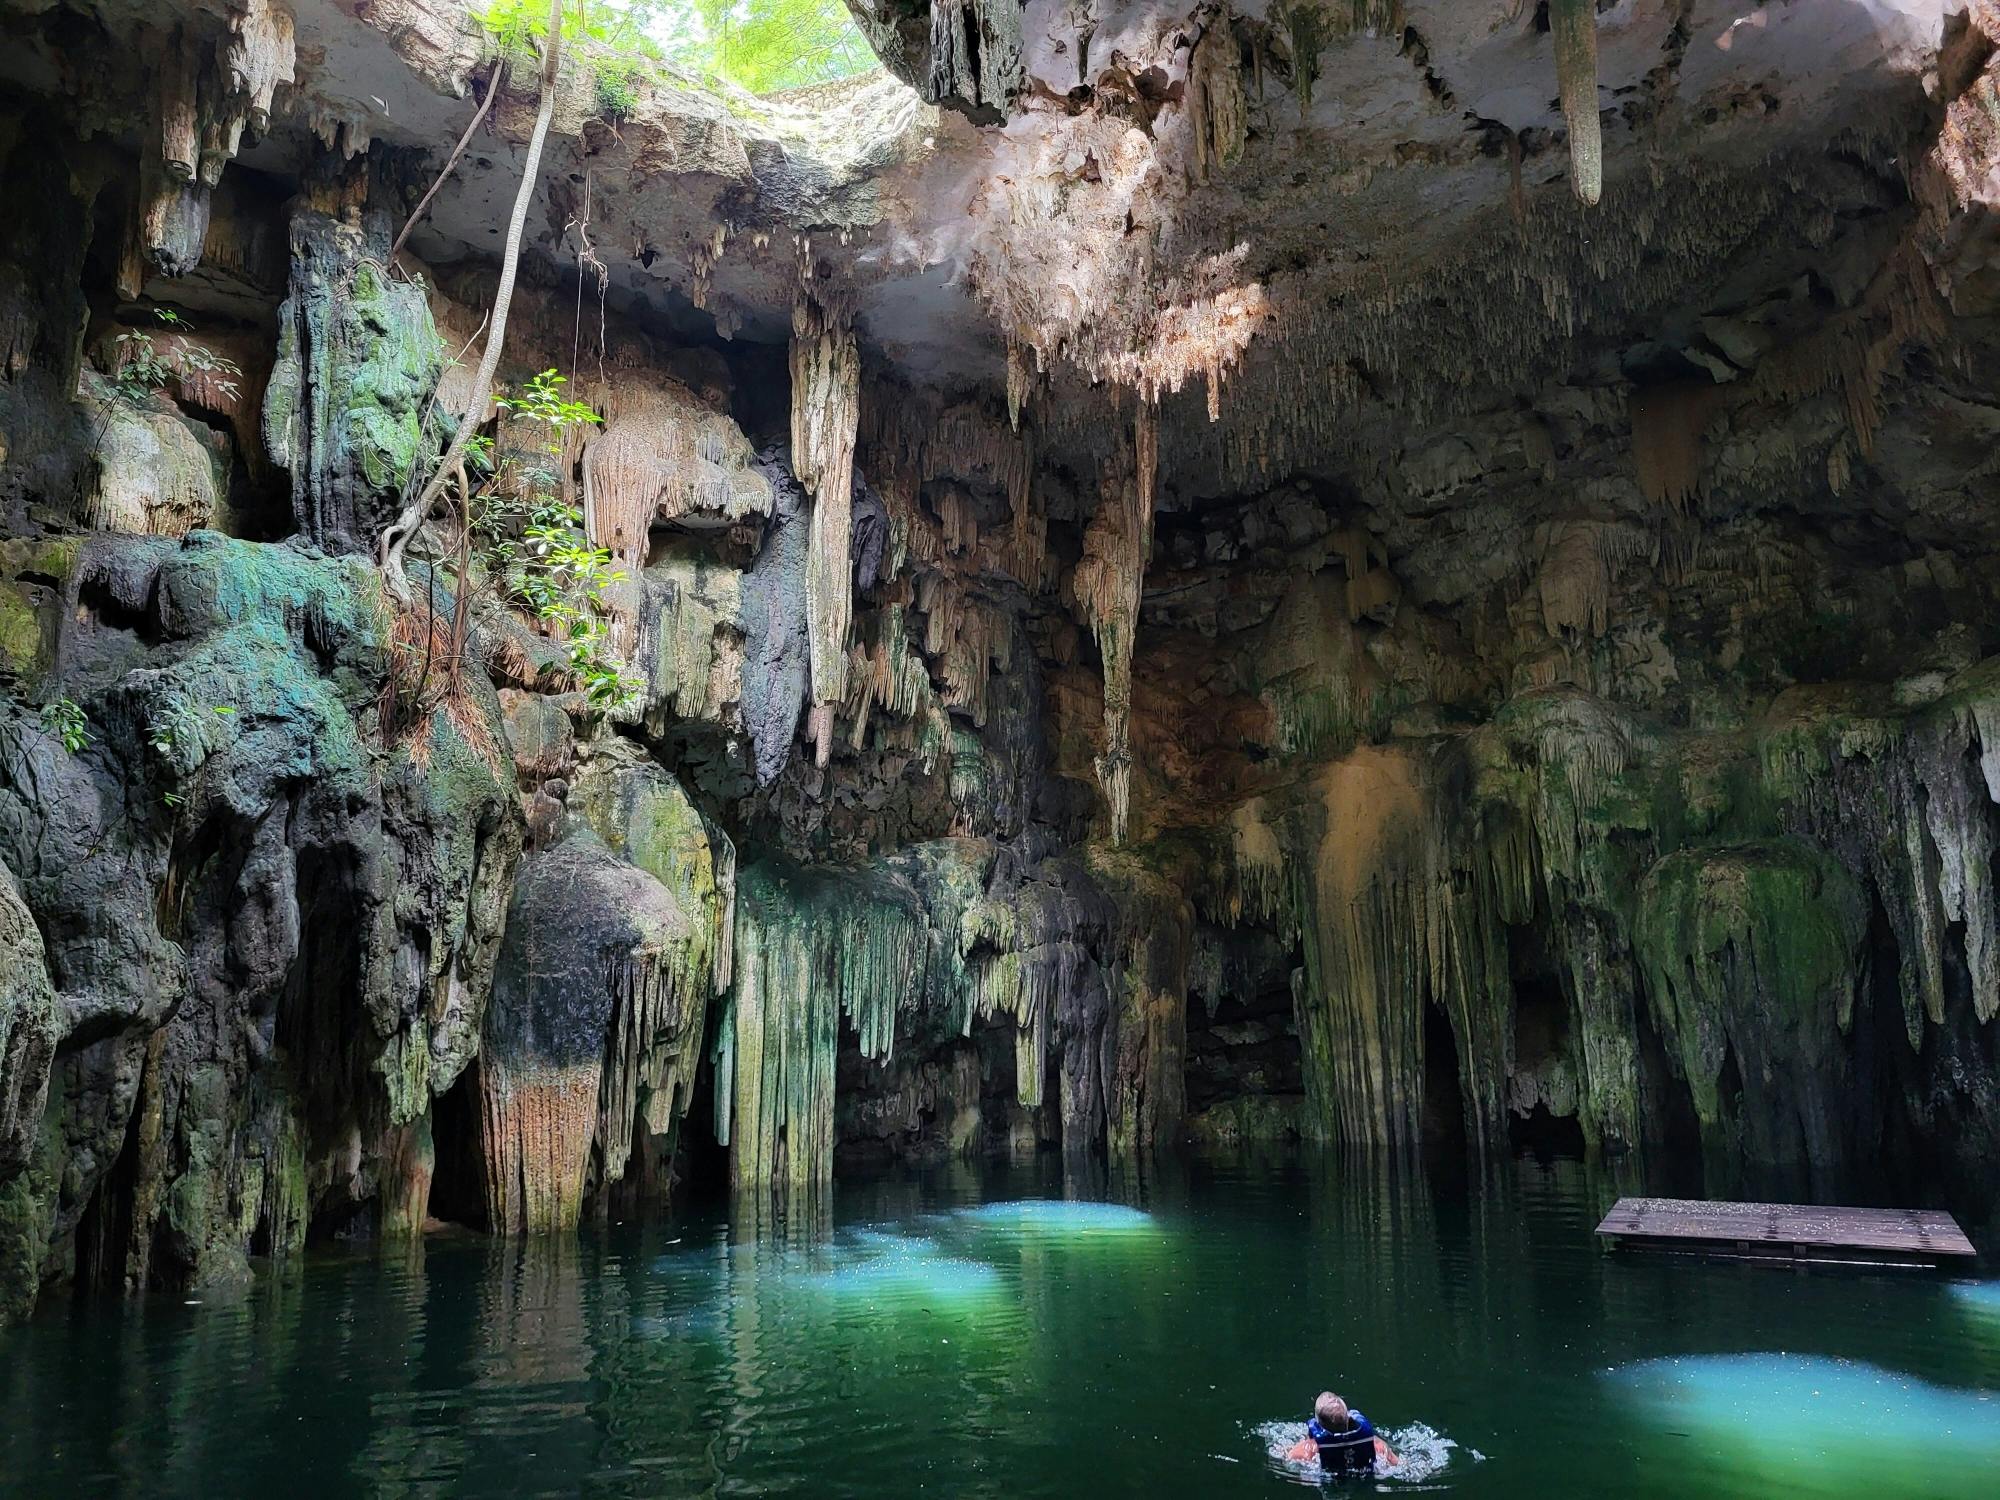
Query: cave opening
1546	1137
319	1029
1244	1070
1443	1127
104	1234
458	1171
701	1161
1668	1123
1544	1095
1243	1045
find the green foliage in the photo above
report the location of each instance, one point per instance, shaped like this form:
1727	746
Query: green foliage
142	370
536	543
614	29
146	367
62	718
617	89
759	45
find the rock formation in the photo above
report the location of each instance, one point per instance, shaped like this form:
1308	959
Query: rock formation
1402	575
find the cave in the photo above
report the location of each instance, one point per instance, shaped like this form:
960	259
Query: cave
1443	1130
790	696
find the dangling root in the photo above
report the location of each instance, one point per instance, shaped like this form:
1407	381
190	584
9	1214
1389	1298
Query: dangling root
396	539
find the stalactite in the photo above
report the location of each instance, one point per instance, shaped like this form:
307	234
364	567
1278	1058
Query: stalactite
210	86
812	949
537	1125
1394	915
1145	1039
180	120
826	379
1019	381
1667	426
702	262
1573	29
1029	537
1750	953
1854	351
661	455
357	360
1218	115
689	639
1312	672
975	56
30	1028
1107	584
1580	562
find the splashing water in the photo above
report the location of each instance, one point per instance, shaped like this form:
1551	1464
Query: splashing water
1425	1453
1808	1424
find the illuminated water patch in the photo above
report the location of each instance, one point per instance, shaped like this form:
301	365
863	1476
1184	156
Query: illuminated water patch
876	1266
1810	1425
1980	1296
1056	1218
1425	1453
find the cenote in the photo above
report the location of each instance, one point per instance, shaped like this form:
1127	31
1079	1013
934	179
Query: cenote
880	747
978	1333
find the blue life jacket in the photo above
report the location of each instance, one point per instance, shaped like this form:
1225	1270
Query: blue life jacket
1349	1452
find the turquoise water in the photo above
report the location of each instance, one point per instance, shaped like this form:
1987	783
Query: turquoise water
1018	1334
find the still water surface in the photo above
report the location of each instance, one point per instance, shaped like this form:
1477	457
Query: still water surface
984	1335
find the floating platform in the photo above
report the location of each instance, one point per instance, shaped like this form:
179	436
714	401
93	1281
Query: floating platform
1788	1233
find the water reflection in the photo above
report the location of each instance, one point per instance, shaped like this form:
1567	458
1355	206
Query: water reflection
1019	1334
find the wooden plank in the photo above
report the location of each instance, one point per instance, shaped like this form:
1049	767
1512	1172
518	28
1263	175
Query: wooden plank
1791	1228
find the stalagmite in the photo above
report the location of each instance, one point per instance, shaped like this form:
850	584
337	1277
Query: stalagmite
157	471
826	389
597	1013
1573	28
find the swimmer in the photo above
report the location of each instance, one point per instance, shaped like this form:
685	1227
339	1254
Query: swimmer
1342	1440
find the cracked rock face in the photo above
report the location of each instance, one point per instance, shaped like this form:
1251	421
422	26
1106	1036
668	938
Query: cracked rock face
1391	573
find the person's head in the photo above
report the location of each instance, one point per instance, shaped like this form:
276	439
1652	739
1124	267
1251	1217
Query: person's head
1331	1411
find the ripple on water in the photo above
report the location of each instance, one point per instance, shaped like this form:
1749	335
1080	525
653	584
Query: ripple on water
1425	1452
1811	1423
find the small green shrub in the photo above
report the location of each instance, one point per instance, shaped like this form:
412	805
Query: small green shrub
536	544
64	719
617	90
146	367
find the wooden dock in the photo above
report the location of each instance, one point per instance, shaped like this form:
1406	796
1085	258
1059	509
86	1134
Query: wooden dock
1788	1233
